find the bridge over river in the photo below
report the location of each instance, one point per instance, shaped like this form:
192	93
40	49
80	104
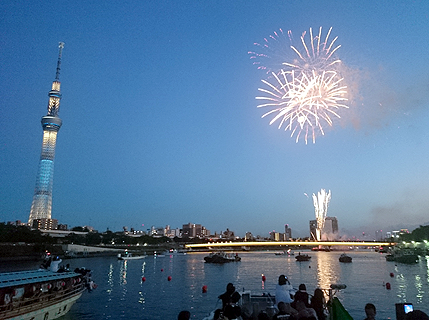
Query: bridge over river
289	243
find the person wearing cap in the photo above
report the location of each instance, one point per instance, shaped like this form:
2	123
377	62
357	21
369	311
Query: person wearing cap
301	295
283	290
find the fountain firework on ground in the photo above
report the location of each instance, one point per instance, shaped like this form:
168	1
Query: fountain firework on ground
321	202
306	91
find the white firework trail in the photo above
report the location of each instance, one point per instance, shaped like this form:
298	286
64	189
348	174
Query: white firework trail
321	202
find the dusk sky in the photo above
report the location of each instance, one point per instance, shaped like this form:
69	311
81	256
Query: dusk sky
161	125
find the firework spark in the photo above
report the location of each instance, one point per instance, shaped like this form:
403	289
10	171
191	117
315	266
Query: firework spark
307	91
321	202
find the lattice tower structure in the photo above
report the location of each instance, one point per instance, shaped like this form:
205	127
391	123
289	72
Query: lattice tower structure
41	206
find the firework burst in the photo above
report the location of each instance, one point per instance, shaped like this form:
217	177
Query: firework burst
307	91
321	201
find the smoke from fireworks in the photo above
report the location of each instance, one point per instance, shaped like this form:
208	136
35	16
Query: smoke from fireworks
321	202
305	92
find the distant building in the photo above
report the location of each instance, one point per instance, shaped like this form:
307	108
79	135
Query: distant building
278	236
62	227
156	231
193	230
16	223
45	224
227	234
288	233
330	231
249	236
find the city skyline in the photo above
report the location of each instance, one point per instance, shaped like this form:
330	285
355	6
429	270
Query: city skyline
161	125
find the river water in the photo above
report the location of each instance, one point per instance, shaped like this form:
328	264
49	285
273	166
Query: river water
121	292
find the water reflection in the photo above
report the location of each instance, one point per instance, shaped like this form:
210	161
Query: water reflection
123	273
328	269
122	292
141	293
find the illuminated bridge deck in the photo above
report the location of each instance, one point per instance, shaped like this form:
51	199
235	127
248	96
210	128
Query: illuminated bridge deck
288	243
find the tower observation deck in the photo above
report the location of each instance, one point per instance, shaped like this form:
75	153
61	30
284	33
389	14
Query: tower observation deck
41	206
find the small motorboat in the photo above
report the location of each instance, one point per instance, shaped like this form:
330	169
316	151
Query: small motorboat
285	253
129	256
302	257
345	258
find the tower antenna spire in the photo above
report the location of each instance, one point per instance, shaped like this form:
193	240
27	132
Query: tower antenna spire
60	46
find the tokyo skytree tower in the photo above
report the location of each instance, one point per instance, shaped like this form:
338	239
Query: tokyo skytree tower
51	124
321	205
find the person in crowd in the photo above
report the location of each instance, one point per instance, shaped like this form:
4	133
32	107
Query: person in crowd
230	298
55	264
219	315
370	311
184	315
232	311
227	296
301	295
416	315
283	290
263	316
318	303
304	312
284	311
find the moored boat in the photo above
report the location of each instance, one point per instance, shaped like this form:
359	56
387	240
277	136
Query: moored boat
129	256
285	253
389	257
403	256
41	294
221	257
345	258
303	257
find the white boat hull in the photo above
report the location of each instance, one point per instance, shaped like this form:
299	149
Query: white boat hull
49	312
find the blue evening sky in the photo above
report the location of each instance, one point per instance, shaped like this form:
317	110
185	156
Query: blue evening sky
160	124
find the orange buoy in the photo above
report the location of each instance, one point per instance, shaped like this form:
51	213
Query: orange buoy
391	274
162	270
169	278
388	286
143	279
263	277
204	289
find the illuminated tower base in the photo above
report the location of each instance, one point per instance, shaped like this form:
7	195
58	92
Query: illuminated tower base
42	200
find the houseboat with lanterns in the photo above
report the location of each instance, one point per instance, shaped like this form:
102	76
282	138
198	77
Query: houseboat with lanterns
41	294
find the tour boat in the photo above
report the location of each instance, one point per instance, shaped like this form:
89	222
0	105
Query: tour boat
41	294
345	258
221	257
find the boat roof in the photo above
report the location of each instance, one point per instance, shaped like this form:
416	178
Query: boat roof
20	278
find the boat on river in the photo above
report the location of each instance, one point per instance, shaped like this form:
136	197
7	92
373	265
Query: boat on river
285	253
221	257
303	257
403	256
251	305
129	256
41	294
345	258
